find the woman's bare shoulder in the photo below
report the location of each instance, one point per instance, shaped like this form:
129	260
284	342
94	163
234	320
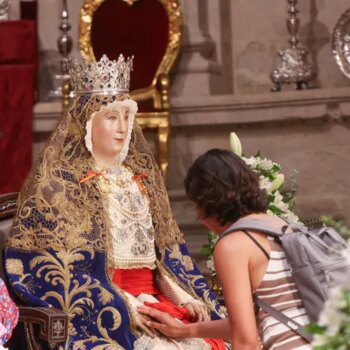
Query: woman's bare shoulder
232	243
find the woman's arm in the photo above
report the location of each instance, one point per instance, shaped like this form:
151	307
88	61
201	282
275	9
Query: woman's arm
232	258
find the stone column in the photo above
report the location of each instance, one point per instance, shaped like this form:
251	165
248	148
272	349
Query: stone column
14	10
195	68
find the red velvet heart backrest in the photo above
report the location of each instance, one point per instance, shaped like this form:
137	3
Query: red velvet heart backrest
140	30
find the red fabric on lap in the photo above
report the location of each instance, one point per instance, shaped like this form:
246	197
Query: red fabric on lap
216	344
182	314
165	305
141	281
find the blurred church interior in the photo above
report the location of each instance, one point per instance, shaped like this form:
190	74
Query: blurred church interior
202	70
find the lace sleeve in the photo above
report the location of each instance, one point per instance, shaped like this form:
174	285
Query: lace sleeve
173	291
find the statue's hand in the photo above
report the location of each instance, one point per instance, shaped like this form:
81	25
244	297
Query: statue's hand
141	325
198	311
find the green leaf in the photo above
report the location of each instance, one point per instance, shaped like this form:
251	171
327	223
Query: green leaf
315	329
275	210
258	154
272	177
276	168
206	250
212	236
270	198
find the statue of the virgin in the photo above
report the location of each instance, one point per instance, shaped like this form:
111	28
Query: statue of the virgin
94	234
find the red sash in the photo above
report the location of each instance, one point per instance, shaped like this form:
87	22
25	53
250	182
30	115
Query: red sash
135	281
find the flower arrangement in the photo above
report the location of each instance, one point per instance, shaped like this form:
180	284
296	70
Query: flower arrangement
333	328
271	180
339	225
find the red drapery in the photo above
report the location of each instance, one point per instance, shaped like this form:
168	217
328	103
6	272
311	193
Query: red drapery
18	65
18	42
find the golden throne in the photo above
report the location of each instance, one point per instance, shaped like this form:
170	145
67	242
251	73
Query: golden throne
150	30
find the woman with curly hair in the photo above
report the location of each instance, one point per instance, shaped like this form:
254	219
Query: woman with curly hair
248	263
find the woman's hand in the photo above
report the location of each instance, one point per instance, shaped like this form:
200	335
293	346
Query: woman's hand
198	311
166	324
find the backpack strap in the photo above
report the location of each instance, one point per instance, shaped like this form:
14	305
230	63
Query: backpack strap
249	224
258	244
289	322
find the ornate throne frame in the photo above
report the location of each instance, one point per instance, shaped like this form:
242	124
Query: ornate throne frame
158	90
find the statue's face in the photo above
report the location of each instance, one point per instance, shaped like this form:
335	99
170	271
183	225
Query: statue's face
109	131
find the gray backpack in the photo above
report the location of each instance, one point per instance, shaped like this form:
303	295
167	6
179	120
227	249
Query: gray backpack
315	259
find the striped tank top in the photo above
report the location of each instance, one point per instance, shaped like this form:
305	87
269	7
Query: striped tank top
279	290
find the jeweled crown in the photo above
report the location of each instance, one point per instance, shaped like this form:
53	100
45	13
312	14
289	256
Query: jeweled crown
101	77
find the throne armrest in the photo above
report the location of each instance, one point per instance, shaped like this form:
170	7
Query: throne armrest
53	324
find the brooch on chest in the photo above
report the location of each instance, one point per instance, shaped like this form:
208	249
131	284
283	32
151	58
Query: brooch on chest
138	178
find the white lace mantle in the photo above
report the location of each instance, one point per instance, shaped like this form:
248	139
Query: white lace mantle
147	343
130	220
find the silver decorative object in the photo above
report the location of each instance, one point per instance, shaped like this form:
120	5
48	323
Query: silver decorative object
294	67
64	43
341	43
4	10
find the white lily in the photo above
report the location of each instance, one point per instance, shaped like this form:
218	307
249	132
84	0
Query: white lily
265	184
266	164
252	162
277	183
235	144
210	264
